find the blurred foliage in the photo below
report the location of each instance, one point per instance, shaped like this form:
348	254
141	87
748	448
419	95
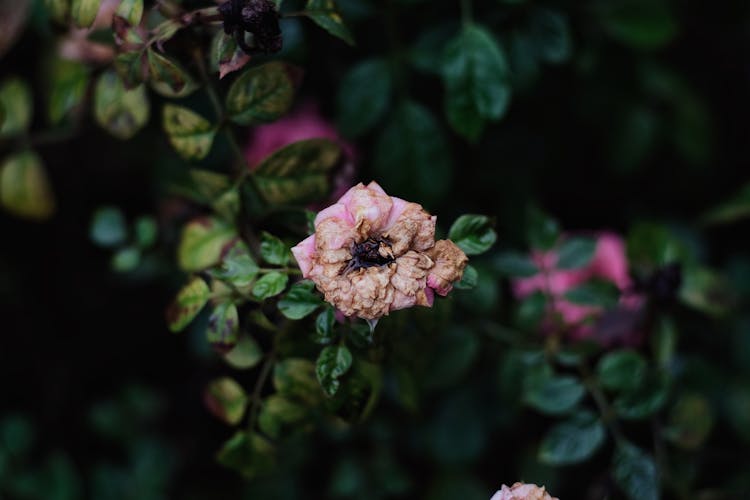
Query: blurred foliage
618	115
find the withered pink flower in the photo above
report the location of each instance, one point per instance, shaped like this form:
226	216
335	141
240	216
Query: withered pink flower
373	253
521	491
609	263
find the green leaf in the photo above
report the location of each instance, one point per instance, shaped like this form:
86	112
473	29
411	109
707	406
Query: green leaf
515	265
226	56
187	304
58	10
146	231
202	243
126	259
332	363
131	11
551	35
108	227
279	413
24	188
249	454
542	231
473	234
261	94
531	311
575	253
299	172
690	422
273	250
226	399
573	441
84	12
295	378
237	266
621	370
594	293
68	88
363	97
17	103
168	77
190	134
469	279
119	111
551	394
641	24
132	67
477	81
735	209
300	301
245	354
325	14
270	285
223	325
635	473
645	399
706	291
324	327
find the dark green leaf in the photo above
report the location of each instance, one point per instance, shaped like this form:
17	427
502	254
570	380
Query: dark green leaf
594	293
531	311
735	209
119	111
273	250
326	15
635	473
68	88
690	422
469	279
126	259
575	253
644	400
16	102
249	454
188	303
132	67
24	187
223	325
572	441
189	133
261	94
324	325
473	234
299	172
412	152
515	265
226	399
296	379
333	362
363	97
621	370
146	231
269	285
108	227
278	413
542	231
202	243
168	77
477	83
245	354
226	56
237	266
300	301
706	290
641	24
552	394
551	35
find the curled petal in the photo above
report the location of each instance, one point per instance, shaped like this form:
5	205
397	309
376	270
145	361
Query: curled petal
304	253
369	207
410	226
450	262
337	211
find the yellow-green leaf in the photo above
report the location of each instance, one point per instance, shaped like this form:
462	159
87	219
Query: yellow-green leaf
226	399
261	94
58	9
168	77
189	133
84	12
24	187
131	11
202	243
119	111
69	81
188	303
16	101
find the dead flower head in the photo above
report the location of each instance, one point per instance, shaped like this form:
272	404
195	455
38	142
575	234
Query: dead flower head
373	253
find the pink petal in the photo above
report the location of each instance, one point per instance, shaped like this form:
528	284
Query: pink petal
304	253
338	211
372	205
610	260
402	301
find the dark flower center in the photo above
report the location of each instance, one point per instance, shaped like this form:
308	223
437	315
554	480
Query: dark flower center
369	253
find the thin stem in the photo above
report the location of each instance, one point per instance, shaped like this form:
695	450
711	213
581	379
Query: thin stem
605	410
258	389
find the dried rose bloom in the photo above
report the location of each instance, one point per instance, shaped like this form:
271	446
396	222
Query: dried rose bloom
372	253
521	491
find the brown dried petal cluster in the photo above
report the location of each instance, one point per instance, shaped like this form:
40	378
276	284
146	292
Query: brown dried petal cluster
372	254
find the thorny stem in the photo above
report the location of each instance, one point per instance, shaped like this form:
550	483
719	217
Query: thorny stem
606	412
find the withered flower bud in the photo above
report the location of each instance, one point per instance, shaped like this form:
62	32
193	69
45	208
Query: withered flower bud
372	253
258	17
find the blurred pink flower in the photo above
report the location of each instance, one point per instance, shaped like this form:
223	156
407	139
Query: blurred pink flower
372	253
521	491
608	263
304	123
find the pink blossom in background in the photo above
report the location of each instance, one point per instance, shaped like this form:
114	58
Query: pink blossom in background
521	491
302	124
373	253
609	263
